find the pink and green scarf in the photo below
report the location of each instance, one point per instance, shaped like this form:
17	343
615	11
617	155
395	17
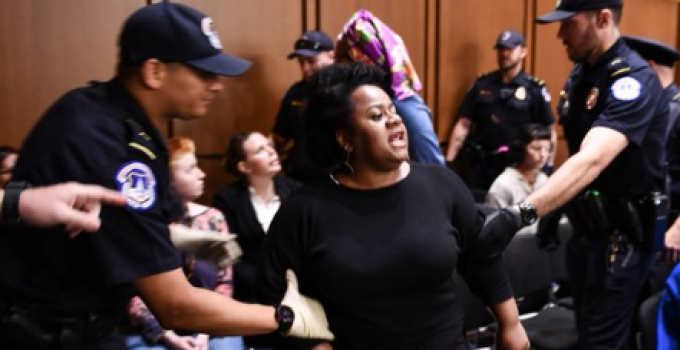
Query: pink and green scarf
366	38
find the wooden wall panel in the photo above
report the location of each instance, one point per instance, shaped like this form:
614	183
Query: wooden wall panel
407	18
468	31
49	47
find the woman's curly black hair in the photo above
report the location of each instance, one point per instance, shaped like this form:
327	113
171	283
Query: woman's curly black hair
329	108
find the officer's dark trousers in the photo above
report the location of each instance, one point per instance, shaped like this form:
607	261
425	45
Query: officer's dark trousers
604	301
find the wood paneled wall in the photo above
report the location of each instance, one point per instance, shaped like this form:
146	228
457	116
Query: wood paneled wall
49	47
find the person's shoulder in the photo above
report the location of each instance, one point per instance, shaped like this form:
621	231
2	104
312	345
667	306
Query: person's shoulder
231	190
434	173
297	89
487	77
534	81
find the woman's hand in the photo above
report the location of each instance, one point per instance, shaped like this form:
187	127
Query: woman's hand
512	337
510	334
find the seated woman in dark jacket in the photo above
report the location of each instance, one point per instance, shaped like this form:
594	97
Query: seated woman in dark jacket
249	205
378	243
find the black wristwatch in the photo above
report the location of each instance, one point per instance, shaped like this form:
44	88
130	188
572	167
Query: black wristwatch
10	202
528	214
284	316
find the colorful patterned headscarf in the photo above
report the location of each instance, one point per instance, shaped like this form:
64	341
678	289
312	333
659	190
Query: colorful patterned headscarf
366	38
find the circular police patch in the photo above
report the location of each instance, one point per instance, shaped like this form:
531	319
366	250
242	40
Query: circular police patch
137	183
626	89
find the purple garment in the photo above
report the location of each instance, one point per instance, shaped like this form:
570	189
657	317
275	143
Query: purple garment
366	38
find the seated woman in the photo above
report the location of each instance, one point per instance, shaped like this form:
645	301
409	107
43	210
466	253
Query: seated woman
249	204
187	180
378	244
8	158
527	156
365	38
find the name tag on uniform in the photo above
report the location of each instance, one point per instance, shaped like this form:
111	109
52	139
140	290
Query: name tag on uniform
137	183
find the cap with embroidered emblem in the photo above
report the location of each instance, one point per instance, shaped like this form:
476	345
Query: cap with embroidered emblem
509	39
173	32
311	43
568	8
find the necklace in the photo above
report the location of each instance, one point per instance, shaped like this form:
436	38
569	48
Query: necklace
404	170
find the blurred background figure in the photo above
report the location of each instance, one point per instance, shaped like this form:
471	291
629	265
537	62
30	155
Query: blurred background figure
187	181
249	204
496	106
8	158
313	51
526	156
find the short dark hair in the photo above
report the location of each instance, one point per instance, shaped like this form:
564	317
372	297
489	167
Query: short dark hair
329	108
525	135
236	153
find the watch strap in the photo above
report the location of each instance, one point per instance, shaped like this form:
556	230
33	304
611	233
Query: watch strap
10	202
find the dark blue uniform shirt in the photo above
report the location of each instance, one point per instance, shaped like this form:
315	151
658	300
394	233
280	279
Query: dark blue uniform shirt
620	92
498	109
98	135
672	94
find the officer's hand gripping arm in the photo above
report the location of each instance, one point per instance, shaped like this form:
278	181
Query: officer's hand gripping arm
310	319
498	230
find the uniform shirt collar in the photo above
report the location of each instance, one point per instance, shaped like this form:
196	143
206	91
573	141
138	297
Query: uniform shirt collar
118	90
520	79
595	73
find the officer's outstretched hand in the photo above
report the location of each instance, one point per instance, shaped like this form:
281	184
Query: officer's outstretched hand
220	248
498	230
310	318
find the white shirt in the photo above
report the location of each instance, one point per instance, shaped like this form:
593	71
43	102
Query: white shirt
264	210
511	188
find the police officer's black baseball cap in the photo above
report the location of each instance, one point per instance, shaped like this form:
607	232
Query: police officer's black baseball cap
509	39
311	43
652	50
569	8
173	32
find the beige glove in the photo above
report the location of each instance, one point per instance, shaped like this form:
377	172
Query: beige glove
310	319
220	248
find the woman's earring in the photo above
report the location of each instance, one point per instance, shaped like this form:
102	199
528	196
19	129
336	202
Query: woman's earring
348	151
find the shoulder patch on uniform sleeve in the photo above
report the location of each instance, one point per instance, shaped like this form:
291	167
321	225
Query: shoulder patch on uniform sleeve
137	183
546	94
626	89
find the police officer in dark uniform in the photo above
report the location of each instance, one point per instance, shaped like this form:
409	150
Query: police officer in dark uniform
313	50
615	127
661	59
63	293
495	107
